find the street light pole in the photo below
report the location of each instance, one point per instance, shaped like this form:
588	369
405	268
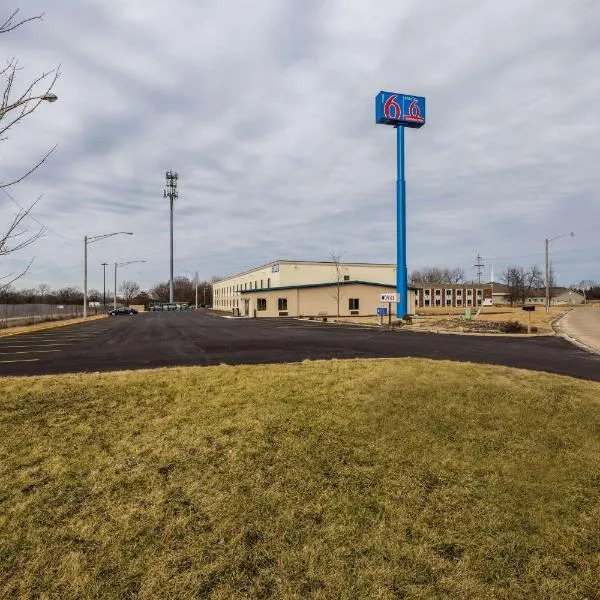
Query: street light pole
90	240
547	262
85	299
104	265
196	290
546	243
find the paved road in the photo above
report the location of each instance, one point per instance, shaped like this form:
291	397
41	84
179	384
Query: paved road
189	338
583	324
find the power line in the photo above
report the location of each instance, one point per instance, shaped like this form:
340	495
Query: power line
30	215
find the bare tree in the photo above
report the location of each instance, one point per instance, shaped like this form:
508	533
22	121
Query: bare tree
129	290
94	295
338	275
160	291
442	275
521	282
585	286
43	289
15	105
69	295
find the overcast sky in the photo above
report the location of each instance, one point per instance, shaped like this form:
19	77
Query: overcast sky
266	111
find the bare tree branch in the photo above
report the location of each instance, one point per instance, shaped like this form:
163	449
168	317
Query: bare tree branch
9	24
15	107
34	168
3	286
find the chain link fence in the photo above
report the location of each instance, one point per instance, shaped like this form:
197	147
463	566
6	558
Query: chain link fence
16	315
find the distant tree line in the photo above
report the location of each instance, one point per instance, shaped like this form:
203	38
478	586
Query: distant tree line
130	292
438	275
184	290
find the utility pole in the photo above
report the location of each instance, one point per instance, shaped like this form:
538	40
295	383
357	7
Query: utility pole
104	265
196	290
478	265
546	243
85	299
171	193
90	240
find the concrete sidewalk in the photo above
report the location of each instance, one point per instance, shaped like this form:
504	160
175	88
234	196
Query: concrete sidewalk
582	325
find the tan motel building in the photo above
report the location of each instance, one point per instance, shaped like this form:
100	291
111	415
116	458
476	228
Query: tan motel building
286	288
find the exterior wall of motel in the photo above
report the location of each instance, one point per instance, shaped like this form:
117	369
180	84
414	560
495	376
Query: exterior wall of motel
320	301
432	295
227	292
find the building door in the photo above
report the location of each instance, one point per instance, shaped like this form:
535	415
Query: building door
246	307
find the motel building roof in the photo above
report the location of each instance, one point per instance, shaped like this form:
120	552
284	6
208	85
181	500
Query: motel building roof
322	285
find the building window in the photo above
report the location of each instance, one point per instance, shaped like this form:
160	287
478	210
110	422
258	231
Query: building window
437	302
268	282
427	292
426	301
346	277
449	293
281	303
459	293
261	284
438	292
458	302
245	285
261	304
469	292
479	292
353	303
469	302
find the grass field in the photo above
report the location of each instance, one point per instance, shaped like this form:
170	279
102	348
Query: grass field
357	479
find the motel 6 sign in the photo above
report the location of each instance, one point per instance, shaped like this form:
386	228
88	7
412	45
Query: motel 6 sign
399	110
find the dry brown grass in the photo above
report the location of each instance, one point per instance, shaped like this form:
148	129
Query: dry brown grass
344	479
540	319
47	325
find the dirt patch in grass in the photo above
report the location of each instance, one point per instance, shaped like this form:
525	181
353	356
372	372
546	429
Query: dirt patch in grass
491	319
345	479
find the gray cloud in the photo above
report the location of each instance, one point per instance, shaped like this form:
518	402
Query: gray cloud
266	111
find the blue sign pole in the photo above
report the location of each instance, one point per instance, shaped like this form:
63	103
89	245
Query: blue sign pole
401	269
400	111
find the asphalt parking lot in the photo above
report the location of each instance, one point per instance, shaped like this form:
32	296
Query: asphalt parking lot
194	338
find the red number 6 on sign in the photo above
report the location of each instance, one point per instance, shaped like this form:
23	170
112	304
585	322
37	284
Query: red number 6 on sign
390	104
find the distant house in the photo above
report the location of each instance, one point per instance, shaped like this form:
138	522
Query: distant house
568	298
559	296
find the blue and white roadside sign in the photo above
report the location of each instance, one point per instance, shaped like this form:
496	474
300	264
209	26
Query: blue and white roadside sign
381	311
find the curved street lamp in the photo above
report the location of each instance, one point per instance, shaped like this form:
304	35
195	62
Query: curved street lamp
49	97
122	264
90	240
546	244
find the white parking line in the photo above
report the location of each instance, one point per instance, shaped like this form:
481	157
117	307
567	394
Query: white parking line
19	360
33	344
29	352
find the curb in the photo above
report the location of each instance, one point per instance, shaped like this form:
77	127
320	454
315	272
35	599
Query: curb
563	334
53	325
